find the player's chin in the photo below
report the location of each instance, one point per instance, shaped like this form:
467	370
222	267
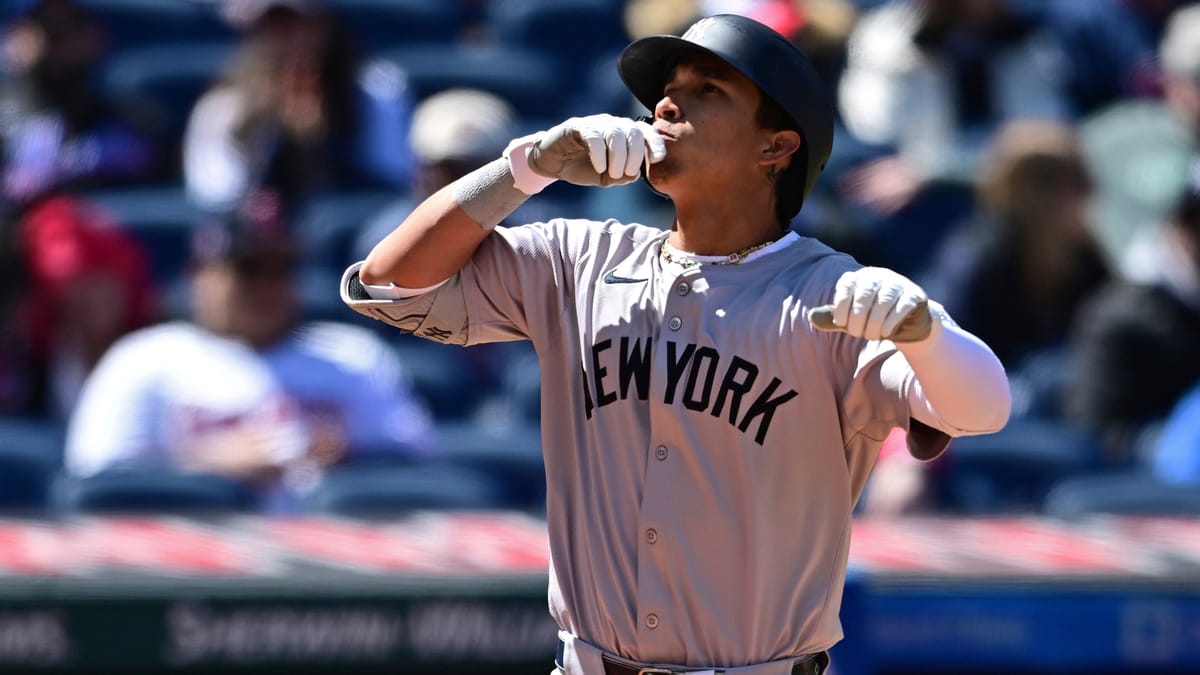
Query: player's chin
662	175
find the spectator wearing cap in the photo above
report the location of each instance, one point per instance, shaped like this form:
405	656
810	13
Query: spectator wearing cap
1134	349
1140	149
242	390
296	114
453	133
1180	55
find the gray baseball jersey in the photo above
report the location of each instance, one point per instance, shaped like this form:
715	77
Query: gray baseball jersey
704	444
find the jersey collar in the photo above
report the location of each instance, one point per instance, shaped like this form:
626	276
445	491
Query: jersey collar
777	245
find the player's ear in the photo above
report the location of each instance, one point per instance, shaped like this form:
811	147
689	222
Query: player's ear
780	145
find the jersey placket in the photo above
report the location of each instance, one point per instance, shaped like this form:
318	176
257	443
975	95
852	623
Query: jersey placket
658	630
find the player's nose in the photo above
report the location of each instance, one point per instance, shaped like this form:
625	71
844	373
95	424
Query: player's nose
666	109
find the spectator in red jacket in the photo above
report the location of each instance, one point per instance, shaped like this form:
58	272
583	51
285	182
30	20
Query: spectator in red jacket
88	283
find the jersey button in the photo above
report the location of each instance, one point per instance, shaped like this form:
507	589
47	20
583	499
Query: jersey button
651	621
682	288
661	452
652	535
675	323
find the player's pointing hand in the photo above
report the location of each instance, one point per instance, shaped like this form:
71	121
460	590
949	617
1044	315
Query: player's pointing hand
596	150
876	304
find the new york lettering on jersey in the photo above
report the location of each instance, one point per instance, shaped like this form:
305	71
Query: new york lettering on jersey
697	377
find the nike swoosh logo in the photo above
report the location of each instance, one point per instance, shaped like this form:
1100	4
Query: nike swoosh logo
611	278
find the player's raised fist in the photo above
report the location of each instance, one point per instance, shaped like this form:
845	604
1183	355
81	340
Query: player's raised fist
596	150
877	304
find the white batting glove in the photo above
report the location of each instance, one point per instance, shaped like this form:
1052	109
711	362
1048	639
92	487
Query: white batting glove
594	150
876	304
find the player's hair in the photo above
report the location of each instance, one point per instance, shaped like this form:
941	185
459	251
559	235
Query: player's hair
789	184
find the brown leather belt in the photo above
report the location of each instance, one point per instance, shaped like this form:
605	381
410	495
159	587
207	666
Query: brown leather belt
814	665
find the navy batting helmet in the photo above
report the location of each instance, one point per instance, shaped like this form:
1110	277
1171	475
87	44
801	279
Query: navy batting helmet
779	69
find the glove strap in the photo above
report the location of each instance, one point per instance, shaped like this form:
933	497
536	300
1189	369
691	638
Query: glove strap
525	178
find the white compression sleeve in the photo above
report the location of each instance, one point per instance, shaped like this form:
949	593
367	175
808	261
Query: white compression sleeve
960	385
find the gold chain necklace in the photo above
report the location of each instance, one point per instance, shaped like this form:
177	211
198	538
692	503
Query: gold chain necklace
731	259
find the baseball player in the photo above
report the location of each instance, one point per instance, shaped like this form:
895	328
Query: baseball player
713	396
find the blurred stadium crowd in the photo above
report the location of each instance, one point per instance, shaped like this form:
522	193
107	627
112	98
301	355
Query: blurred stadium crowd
182	183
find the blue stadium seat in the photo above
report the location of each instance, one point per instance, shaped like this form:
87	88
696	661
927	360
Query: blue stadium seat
572	30
161	219
133	24
42	437
152	492
11	10
320	299
25	479
383	491
328	225
1121	494
602	90
30	453
378	24
528	80
1011	471
167	79
442	376
513	454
